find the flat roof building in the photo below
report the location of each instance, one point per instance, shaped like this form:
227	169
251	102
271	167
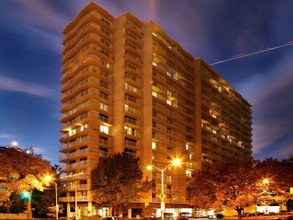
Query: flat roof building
129	87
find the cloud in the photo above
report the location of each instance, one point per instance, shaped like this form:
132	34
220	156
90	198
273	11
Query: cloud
14	85
37	18
6	136
270	96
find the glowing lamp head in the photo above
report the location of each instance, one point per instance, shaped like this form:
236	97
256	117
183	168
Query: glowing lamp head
14	144
265	181
25	195
176	162
149	167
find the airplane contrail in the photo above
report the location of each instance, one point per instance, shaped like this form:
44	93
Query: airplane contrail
242	55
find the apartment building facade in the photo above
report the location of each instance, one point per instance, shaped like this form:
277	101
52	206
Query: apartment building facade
129	87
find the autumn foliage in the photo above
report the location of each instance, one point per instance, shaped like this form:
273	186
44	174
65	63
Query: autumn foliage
239	184
21	171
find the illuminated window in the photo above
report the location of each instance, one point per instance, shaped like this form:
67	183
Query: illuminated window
104	106
72	132
104	129
83	127
186	146
154	145
169	102
129	130
190	156
154	94
130	87
155	64
129	108
188	173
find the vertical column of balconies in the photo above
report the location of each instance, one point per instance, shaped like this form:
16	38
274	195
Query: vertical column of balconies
173	112
133	87
87	98
223	109
128	84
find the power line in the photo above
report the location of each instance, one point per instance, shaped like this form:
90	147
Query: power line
242	55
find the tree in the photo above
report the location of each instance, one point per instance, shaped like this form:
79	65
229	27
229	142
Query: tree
21	171
118	180
275	180
44	202
224	184
237	185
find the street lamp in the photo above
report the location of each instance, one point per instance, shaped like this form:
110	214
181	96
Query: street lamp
49	179
27	196
175	162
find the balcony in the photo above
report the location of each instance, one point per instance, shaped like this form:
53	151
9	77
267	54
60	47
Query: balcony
72	199
78	154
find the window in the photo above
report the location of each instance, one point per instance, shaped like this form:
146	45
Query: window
188	173
130	98
103	151
129	108
129	130
104	118
103	140
129	119
154	145
104	129
105	85
103	106
129	141
130	87
130	76
82	127
104	95
130	151
105	21
105	42
72	132
105	31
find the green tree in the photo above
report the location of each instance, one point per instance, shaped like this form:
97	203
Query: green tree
118	180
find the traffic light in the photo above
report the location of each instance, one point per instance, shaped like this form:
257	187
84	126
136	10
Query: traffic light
25	195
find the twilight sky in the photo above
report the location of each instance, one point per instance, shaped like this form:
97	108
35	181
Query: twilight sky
30	61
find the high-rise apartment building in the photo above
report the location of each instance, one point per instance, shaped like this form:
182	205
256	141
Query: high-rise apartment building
129	87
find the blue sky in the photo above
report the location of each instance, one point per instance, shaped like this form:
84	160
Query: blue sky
30	61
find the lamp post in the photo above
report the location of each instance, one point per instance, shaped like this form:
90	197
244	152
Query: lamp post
27	196
56	201
175	162
49	178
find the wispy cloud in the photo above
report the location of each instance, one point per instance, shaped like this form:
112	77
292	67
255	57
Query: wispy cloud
6	136
273	121
14	85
